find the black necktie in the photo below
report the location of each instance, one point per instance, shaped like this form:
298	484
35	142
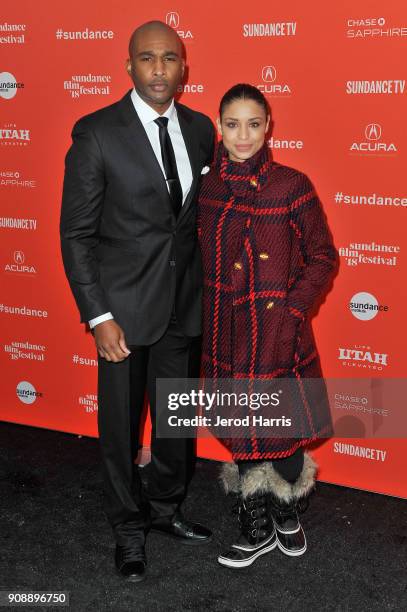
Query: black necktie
170	164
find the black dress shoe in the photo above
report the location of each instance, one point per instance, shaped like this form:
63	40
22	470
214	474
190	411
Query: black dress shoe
182	530
131	563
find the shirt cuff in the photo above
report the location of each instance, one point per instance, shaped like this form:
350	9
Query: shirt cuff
104	317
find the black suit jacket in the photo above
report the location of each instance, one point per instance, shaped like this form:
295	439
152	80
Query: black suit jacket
123	249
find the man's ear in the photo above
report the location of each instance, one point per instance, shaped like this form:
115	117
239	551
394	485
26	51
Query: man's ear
218	125
128	65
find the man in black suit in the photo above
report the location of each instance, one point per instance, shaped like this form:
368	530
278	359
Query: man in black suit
129	245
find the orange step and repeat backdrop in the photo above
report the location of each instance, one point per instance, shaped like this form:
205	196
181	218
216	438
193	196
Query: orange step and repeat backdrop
335	76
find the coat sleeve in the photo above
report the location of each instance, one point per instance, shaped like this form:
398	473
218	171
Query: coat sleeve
82	200
319	255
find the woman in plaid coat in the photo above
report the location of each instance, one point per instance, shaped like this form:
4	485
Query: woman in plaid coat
268	259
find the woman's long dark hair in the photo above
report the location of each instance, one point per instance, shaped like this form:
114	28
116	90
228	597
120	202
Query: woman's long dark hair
244	91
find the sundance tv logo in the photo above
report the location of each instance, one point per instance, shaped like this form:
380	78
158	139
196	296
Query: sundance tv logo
173	20
270	87
372	144
9	85
275	29
384	87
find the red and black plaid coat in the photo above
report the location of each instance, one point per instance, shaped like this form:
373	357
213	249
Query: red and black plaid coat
268	258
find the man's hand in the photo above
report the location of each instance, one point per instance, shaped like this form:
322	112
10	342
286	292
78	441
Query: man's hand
110	341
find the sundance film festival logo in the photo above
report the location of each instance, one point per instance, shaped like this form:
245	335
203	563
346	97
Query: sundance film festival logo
9	85
27	393
88	85
270	87
89	403
373	143
361	356
365	307
373	27
369	253
12	33
25	350
19	265
275	29
173	20
11	135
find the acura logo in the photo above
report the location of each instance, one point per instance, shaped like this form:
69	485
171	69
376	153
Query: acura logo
269	74
373	131
19	257
172	19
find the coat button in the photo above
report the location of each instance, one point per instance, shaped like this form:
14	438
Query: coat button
269	305
264	255
237	265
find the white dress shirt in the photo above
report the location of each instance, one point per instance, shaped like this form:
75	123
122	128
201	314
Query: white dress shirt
147	115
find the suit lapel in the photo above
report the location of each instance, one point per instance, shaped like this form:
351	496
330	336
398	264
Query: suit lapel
192	145
133	132
135	135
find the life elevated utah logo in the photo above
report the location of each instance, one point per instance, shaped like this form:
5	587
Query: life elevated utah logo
11	135
362	356
172	19
271	86
372	143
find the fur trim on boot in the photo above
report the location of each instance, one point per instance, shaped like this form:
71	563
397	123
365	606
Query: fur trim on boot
263	478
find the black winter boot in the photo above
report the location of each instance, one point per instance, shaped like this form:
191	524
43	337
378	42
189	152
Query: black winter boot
284	499
257	533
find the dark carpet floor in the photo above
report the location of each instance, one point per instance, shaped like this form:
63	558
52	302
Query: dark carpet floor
55	536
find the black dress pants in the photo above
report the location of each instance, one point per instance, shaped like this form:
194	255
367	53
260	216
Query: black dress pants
121	393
